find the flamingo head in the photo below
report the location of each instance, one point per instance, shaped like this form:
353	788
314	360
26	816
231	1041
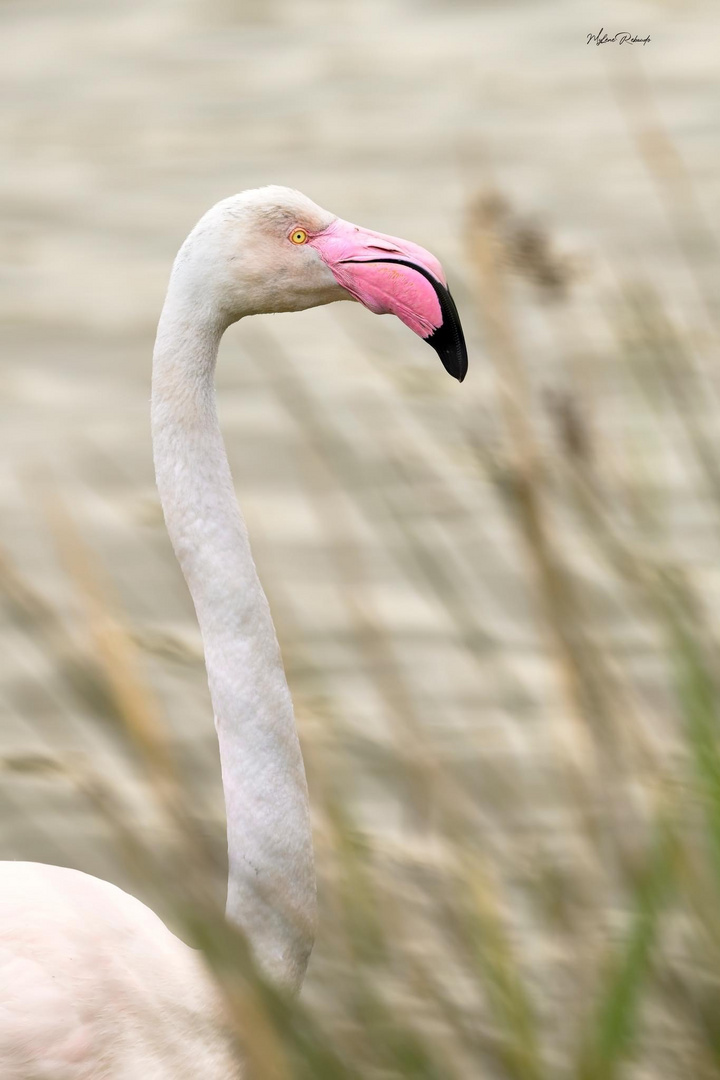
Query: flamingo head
281	252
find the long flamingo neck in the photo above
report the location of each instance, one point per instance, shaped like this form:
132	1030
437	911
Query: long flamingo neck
271	877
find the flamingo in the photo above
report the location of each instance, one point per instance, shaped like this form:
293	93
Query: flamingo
92	983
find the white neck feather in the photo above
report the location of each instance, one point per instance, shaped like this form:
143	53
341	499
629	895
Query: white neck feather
271	880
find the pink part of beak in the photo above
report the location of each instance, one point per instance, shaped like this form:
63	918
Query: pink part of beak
396	277
383	287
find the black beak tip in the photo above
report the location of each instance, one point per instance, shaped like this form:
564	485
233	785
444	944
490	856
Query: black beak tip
448	340
456	364
454	360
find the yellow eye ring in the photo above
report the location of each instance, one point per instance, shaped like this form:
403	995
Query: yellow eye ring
298	236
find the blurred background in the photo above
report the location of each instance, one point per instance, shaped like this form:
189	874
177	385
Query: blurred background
498	603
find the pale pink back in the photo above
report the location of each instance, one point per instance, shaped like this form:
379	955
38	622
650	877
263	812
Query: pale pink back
93	986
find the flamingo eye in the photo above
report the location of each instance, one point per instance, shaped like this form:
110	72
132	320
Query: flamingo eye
298	236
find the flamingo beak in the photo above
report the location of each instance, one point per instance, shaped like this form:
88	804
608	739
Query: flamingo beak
393	276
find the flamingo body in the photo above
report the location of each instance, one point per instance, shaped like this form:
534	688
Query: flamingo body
93	985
